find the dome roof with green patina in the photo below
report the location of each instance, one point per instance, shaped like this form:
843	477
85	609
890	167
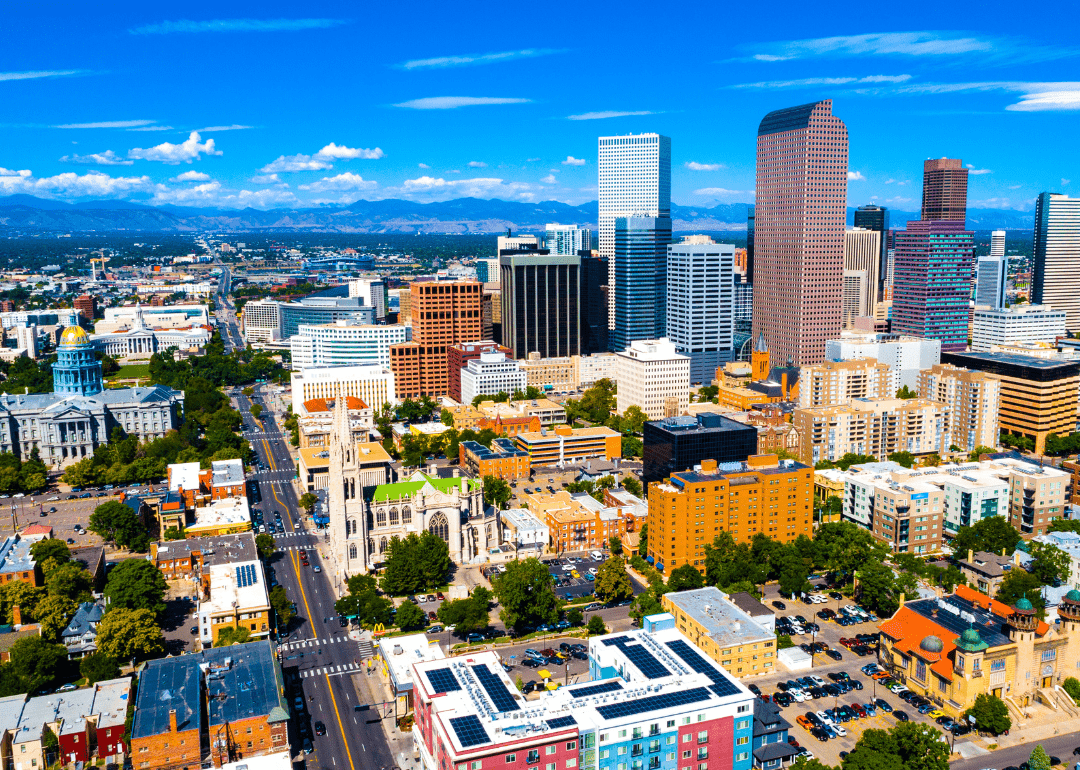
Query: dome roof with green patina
931	644
1024	605
1073	596
970	641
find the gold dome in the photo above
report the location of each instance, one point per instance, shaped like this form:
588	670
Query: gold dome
74	335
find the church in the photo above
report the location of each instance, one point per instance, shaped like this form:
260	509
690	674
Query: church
68	424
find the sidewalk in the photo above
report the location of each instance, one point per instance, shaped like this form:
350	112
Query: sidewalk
374	690
1050	724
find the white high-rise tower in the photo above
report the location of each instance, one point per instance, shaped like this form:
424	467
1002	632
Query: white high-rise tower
635	181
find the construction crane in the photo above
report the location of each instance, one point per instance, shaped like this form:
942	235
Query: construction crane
93	266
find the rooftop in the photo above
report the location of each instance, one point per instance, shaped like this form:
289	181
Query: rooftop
995	361
227	473
703	422
236	586
401	652
721	619
168	684
221	513
561	433
15	555
500	447
421	482
184	475
217	549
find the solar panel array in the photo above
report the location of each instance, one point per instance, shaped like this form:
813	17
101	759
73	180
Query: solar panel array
246	576
469	731
596	689
645	662
558	722
443	680
721	684
619	640
653	703
495	689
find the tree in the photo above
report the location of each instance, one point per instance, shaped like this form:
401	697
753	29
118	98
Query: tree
497	492
1049	563
415	563
994	534
446	417
50	553
283	608
307	501
70	581
633	419
793	572
613	582
127	634
53	614
685	578
116	523
932	460
526	592
136	584
905	392
98	667
410	617
231	635
466	615
643	541
631	447
907	459
878	588
256	410
980	450
21	594
633	486
37	661
1020	583
875	750
575	618
174	533
991	714
615	545
1039	760
596	626
266	545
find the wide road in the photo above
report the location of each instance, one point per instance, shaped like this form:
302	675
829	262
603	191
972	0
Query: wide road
317	653
1060	746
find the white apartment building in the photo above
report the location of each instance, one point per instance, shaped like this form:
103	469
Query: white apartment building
26	339
345	344
635	181
371	383
262	321
837	382
701	303
654	376
905	356
490	374
372	292
1020	324
567	240
974	401
862	265
598	366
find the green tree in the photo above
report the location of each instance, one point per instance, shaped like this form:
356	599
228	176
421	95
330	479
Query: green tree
596	626
613	581
1049	563
993	534
907	459
1021	583
1072	686
53	615
615	545
446	417
38	661
631	447
685	578
878	588
307	501
256	410
98	667
21	594
991	714
526	592
634	419
875	750
632	485
174	533
50	553
1039	759
410	617
70	581
905	392
497	492
116	523
231	635
980	450
643	541
136	584
283	608
575	618
415	563
266	545
465	615
126	634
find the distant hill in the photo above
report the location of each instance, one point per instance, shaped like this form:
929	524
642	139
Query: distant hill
462	215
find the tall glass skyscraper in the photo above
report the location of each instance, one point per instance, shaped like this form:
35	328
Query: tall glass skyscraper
877	218
1056	276
640	279
567	240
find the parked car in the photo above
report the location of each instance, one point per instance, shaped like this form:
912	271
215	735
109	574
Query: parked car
901	716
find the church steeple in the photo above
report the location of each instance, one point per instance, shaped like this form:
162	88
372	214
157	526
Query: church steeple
759	360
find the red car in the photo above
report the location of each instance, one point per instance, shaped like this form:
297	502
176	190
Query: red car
304	562
847	642
858	709
303	553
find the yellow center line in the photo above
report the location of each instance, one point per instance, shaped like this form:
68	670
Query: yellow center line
341	727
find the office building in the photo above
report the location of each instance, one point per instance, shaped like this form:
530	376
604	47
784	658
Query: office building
1016	325
344	343
594	304
652	693
1056	260
905	356
743	301
678	443
872	427
487	271
460	354
973	398
837	382
694	504
701	304
1038	395
524	532
322	311
862	278
576	521
932	284
503	460
751	237
261	321
991	280
374	466
371	383
87	306
634	181
490	374
800	213
511	242
876	218
640	269
653	376
944	195
541	303
564	444
725	632
567	374
567	240
372	292
444	313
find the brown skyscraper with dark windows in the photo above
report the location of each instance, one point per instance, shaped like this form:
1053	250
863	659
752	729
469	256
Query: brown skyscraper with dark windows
800	214
443	314
944	190
87	306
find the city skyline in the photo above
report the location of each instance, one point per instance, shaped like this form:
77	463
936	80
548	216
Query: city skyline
259	106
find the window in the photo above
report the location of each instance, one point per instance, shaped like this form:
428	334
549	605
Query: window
742	724
742	741
742	756
571	746
603	753
549	750
511	759
571	763
687	737
1048	655
920	670
534	757
997	665
703	736
703	752
550	766
687	754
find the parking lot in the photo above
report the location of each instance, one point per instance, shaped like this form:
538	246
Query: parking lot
572	574
71	509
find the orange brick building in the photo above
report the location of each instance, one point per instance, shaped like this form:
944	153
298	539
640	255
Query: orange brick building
443	313
509	426
577	522
503	461
762	494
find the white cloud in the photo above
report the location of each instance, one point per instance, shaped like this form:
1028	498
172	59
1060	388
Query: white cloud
348	153
440	62
1014	187
266	179
550	179
898	199
1047	100
977	171
192	176
720	192
235	25
36	74
835	81
108	124
453	102
71	185
694	166
572	161
202	193
185	152
608	114
1000	203
531	160
855	176
152	128
346	181
477	164
1065	182
233	127
9	172
436	188
899	182
926	43
296	163
107	158
423	165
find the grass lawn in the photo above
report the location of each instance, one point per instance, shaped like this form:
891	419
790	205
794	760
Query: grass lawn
131	372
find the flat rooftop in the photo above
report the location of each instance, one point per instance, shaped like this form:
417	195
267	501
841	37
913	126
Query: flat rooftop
217	549
227	473
236	586
165	685
722	620
223	512
243	681
702	422
401	652
15	555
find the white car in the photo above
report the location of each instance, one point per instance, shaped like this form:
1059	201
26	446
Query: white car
896	689
568	568
597	555
826	718
52	499
593	571
817	680
798	695
838	729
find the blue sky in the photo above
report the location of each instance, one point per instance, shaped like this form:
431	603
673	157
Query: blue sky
275	104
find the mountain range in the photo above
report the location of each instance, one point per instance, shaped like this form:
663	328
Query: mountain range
461	215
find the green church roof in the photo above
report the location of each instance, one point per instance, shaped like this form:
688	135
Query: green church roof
1024	604
407	489
970	641
1073	596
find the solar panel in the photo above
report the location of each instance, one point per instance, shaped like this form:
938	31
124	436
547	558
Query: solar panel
653	703
721	685
649	666
618	640
443	680
496	690
469	731
596	689
558	722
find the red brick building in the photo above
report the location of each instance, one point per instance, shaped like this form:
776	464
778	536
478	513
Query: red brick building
457	356
87	306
